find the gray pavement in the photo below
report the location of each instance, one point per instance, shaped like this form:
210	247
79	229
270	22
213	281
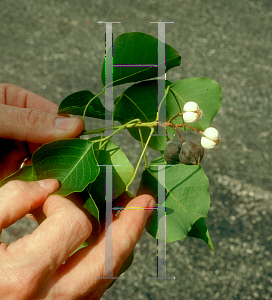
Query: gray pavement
54	48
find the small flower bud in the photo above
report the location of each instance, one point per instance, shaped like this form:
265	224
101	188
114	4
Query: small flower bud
171	153
191	112
191	153
211	138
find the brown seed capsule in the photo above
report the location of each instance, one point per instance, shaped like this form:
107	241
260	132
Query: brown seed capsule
171	153
191	153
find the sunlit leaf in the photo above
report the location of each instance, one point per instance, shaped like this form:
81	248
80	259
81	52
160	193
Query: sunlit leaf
75	104
27	173
139	101
70	161
122	171
204	91
91	207
199	230
138	48
187	199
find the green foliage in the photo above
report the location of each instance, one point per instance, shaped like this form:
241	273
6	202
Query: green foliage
27	173
75	162
204	91
139	101
75	104
122	171
185	201
137	48
70	161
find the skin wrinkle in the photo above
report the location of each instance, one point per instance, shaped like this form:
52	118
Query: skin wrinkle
30	118
11	190
6	275
74	231
17	279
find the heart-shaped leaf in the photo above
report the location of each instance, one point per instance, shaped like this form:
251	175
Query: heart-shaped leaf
200	231
187	199
204	91
70	161
138	48
75	103
139	101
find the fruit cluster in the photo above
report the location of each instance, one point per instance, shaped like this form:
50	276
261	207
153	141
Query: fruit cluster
188	152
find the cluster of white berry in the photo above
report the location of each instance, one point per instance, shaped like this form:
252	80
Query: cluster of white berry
192	114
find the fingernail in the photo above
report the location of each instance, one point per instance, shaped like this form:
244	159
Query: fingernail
47	183
65	123
150	207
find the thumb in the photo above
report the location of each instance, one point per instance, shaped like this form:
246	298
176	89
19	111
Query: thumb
36	126
17	198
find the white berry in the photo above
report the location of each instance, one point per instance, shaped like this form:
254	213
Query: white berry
190	106
191	112
190	117
212	134
207	144
211	138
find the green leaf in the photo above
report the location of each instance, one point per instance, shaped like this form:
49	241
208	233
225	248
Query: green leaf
27	173
91	207
139	101
204	91
187	199
71	161
199	230
83	245
135	48
122	172
75	104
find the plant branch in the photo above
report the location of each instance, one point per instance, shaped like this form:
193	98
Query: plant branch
141	137
133	123
166	92
177	115
182	125
86	107
138	124
177	95
105	139
143	152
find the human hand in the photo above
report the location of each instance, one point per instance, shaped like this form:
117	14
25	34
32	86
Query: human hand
32	267
26	122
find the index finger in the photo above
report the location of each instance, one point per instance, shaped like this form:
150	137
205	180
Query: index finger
50	244
16	96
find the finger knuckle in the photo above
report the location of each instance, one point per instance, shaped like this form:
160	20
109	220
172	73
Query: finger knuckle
14	187
32	117
80	223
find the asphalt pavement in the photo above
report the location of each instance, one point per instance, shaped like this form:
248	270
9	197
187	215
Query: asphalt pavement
55	48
